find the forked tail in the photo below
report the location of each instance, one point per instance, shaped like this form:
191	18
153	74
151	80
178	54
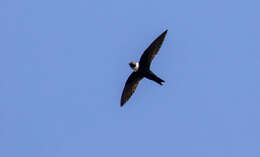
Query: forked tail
152	76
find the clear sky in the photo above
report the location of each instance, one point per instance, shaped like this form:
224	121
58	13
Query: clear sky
64	64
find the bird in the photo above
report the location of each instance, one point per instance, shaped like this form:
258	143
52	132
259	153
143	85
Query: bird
142	70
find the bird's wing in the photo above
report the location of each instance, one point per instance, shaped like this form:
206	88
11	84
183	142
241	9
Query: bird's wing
130	87
152	50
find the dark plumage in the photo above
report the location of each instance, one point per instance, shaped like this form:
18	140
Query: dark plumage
142	69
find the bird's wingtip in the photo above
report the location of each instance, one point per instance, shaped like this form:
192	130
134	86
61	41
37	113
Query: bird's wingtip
165	32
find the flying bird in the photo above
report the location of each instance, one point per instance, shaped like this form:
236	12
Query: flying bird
141	69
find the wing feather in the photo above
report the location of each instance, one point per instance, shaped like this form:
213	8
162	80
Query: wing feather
130	87
152	50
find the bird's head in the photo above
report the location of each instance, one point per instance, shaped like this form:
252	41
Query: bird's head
134	65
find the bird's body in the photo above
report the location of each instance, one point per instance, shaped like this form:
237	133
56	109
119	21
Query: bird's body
145	72
142	70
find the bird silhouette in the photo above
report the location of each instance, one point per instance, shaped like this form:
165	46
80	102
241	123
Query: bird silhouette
142	70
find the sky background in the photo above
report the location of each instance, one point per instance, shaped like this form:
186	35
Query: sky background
63	66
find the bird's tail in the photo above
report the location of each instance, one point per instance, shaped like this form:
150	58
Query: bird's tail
160	81
155	78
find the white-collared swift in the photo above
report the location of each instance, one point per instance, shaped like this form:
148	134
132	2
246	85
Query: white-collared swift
141	69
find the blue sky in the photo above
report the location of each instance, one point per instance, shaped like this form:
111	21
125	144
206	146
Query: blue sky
64	63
